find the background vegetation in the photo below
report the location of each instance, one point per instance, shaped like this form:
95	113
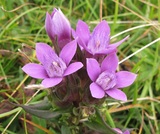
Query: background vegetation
22	25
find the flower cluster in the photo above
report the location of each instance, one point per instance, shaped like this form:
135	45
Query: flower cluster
99	57
82	67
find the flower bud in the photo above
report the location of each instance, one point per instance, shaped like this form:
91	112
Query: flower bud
58	27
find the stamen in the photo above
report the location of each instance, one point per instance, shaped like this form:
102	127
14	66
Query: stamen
106	80
55	63
55	68
97	44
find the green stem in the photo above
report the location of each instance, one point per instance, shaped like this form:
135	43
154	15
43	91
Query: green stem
109	118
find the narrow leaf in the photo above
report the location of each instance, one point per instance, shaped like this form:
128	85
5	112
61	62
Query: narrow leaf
45	114
44	104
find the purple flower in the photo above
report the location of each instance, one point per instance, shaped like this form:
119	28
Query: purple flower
120	132
58	27
106	80
99	41
53	67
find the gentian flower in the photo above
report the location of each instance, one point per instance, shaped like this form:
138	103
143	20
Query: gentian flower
120	132
99	41
53	67
58	27
105	79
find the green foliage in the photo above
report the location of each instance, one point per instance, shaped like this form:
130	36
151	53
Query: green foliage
97	123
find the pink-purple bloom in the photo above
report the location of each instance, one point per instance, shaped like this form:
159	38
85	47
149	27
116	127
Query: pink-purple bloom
53	67
105	79
98	78
121	132
98	42
58	27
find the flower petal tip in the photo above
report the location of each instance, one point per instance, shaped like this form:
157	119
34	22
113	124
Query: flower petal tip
35	70
117	94
51	82
93	68
96	91
125	79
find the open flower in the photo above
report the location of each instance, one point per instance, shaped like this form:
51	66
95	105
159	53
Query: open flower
99	41
53	67
58	27
106	81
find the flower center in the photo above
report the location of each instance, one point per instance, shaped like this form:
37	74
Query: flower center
55	68
106	80
97	44
95	47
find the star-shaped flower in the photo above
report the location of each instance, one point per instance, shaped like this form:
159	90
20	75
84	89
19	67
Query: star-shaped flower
53	67
98	42
105	79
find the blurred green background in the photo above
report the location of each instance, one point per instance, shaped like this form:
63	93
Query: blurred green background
22	25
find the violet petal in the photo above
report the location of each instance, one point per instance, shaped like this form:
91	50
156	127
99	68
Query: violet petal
118	43
50	27
125	78
44	52
118	130
74	34
100	38
83	33
96	91
61	27
107	50
126	132
54	11
93	68
50	82
73	68
68	52
35	70
112	47
110	63
102	33
117	94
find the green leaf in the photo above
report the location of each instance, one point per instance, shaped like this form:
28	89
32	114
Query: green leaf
133	6
102	121
65	130
44	104
40	122
45	114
